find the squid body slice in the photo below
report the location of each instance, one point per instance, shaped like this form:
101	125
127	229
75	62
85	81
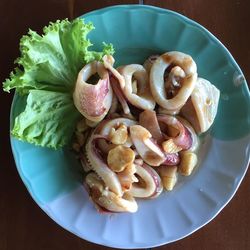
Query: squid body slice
201	108
93	101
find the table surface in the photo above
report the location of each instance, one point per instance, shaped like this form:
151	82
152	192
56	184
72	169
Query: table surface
23	225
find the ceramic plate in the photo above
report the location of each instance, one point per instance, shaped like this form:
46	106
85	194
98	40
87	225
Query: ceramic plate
54	178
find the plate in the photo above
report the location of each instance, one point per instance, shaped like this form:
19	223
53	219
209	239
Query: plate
54	178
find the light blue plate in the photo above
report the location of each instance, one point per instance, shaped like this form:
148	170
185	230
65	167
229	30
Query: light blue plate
54	178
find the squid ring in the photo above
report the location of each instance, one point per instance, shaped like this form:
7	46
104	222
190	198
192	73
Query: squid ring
93	101
153	187
137	89
189	78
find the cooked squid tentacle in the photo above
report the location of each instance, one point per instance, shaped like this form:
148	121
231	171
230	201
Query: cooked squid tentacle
185	65
149	150
201	108
93	101
137	89
105	198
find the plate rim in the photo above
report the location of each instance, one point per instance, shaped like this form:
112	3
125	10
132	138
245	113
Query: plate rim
210	36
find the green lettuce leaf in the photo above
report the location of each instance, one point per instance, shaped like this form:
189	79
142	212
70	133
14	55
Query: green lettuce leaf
48	120
47	70
52	61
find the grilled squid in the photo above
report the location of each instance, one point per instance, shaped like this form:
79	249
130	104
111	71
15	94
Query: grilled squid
142	146
93	101
182	77
201	108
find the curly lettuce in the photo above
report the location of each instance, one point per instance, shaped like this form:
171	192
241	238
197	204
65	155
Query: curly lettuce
49	117
46	71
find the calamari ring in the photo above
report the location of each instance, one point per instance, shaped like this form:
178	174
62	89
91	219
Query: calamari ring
157	85
93	101
143	98
140	95
152	187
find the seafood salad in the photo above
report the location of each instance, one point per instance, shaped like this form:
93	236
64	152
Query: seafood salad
141	126
135	127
